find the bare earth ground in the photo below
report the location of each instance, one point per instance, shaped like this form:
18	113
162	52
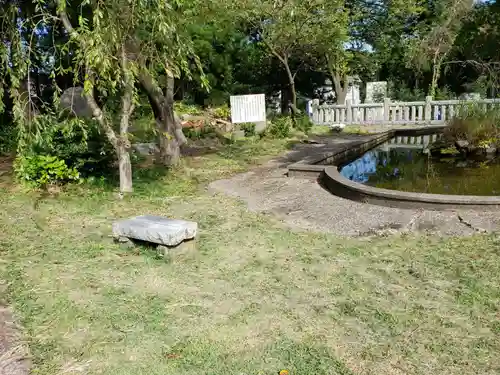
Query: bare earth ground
304	204
13	353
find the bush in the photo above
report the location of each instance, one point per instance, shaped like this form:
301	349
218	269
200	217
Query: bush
248	128
223	112
198	132
475	125
78	143
42	170
187	109
281	127
8	139
303	123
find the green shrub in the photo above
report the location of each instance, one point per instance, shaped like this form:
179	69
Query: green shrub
188	109
303	123
8	139
42	170
280	127
79	143
199	132
475	125
248	128
223	112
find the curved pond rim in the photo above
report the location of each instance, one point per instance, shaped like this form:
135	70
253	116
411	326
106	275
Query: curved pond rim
337	184
324	167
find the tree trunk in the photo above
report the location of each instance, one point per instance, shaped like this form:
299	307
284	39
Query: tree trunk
125	167
436	72
340	87
291	81
341	92
340	84
121	144
170	135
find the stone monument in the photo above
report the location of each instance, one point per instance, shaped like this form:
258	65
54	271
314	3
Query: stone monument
376	92
353	93
74	102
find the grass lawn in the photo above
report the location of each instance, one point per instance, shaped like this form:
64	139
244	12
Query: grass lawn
254	299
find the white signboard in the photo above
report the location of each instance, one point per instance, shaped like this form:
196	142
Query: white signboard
248	108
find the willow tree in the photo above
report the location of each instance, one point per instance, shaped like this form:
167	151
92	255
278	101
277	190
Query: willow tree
15	58
122	45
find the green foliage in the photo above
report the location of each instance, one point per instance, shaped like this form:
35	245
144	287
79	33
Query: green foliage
8	139
405	94
280	127
222	112
79	143
187	109
475	125
451	150
444	93
248	128
43	170
303	123
199	132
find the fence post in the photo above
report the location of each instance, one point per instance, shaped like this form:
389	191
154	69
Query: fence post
428	109
349	111
387	106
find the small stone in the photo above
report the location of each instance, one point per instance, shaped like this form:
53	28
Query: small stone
461	144
125	242
260	127
156	229
145	148
491	150
337	127
184	250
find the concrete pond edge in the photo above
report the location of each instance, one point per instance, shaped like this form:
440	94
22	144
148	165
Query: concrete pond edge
325	168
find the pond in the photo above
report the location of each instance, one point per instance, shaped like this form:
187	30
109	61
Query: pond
409	167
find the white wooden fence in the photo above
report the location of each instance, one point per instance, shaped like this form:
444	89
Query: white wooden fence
428	112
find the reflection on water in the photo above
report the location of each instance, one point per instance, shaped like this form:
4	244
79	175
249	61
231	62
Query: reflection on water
407	167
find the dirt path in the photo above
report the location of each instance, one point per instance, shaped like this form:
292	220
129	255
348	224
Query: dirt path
303	204
13	353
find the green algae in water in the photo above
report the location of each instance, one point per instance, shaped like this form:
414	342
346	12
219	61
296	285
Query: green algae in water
409	169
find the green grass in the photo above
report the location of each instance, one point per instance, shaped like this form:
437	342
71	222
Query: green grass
254	298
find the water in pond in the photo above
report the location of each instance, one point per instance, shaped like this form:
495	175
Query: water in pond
407	167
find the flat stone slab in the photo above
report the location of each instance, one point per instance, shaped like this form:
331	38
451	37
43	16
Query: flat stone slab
156	229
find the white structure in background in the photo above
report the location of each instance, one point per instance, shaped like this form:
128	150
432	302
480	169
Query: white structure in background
353	90
249	108
470	96
327	93
375	93
274	103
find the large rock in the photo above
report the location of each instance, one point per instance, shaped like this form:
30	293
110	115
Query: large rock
155	229
74	102
145	148
462	144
